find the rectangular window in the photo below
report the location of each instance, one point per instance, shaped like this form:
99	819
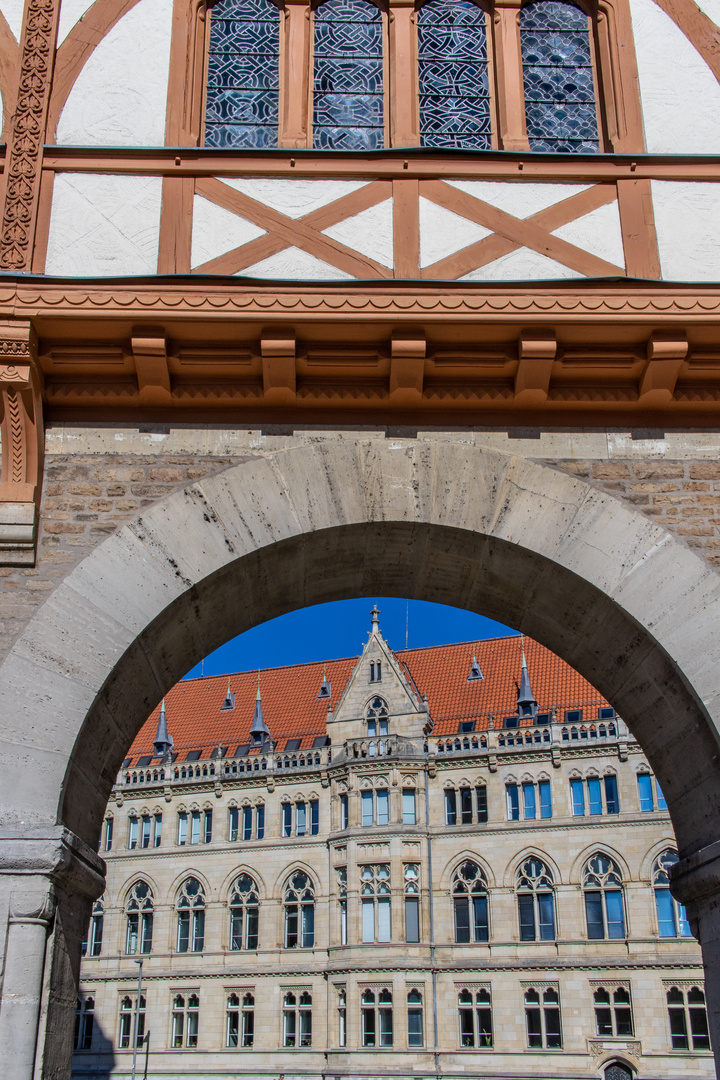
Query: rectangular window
96	935
343	922
195	827
344	815
462	920
415	1027
577	791
665	913
513	802
645	793
133	839
534	1028
182	828
183	938
145	835
366	804
383	806
158	830
147	932
545	799
260	821
546	916
234	824
287	819
368	920
594	795
526	910
615	915
612	802
482	805
662	805
247	823
408	806
412	919
386	1027
466	810
480	918
594	915
314	817
108	834
529	809
383	919
450	807
208	827
300	819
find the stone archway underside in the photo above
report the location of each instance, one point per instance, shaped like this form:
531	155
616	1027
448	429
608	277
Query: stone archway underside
614	594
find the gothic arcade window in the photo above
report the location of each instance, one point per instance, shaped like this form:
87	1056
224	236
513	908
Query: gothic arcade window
560	107
84	1023
415	1018
348	111
613	1011
471	903
453	75
127	1013
536	908
185	1020
297	1019
475	1018
602	883
299	901
688	1019
191	917
375	900
240	1020
241	102
377	1017
244	914
139	909
542	1019
671	916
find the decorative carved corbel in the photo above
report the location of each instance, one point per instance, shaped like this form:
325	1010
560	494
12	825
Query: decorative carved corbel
407	368
23	443
277	348
537	350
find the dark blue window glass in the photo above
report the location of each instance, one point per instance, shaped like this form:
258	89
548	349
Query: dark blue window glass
348	77
558	76
241	108
453	73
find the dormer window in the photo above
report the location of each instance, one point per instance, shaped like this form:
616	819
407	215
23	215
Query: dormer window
376	715
229	702
375	671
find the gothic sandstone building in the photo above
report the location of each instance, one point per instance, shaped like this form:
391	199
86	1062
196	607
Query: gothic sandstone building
404	863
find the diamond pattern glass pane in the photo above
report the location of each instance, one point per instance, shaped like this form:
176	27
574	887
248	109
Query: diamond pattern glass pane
558	76
348	77
453	73
241	108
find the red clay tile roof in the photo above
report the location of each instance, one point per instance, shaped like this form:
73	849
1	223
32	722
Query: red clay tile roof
292	710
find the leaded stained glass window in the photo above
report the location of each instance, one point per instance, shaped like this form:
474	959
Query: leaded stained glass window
241	107
453	75
558	76
348	77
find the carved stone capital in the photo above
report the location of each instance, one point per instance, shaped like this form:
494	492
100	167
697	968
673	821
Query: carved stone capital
52	853
33	903
23	442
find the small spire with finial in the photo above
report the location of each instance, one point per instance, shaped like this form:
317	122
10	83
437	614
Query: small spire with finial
163	742
475	672
324	691
375	616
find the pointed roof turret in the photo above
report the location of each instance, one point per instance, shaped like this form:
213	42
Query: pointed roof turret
324	691
163	742
527	705
475	672
259	732
375	616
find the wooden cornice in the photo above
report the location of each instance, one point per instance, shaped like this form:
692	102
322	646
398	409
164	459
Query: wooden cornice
198	349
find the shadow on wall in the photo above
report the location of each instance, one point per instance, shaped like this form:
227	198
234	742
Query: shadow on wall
99	1063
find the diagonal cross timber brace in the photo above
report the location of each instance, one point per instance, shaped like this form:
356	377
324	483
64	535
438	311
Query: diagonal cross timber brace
23	443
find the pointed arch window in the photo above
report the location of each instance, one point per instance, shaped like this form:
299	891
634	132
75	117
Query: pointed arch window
297	1019
244	908
240	1020
299	901
688	1019
557	43
139	909
84	1022
241	99
602	883
672	918
191	917
348	110
377	1017
536	906
470	902
185	1021
453	75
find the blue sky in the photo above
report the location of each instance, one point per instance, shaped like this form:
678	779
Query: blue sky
340	629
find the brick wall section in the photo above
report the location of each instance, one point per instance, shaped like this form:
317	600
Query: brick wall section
84	500
683	496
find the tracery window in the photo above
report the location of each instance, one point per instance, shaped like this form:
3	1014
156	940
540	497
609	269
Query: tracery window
297	1019
348	76
470	903
139	910
191	917
244	914
453	75
672	918
241	102
542	1019
376	717
613	1012
299	900
688	1019
185	1020
602	883
240	1020
536	908
375	900
475	1017
377	1017
560	108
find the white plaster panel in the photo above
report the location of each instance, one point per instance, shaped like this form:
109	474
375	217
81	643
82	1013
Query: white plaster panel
711	8
296	265
598	232
680	95
119	97
370	232
687	219
71	12
521	265
103	225
13	12
517	197
294	198
442	232
216	230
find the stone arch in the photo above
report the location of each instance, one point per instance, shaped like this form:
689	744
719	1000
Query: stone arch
613	593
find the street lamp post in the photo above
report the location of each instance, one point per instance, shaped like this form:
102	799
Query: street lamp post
137	1017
